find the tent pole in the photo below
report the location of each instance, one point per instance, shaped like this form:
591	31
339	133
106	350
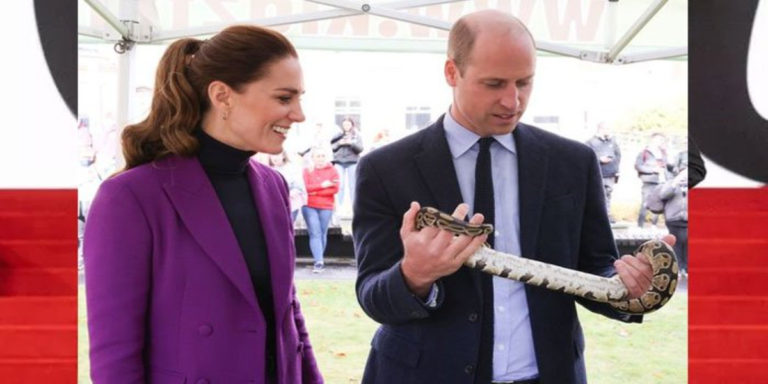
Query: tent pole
129	14
111	19
634	30
611	21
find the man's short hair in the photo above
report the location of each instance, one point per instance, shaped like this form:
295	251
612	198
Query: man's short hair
461	38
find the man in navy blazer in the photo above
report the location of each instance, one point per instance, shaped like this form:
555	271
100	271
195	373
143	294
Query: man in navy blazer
440	322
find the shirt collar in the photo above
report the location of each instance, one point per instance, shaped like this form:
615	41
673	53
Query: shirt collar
461	139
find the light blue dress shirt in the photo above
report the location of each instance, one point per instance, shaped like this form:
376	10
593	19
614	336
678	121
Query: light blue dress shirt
513	354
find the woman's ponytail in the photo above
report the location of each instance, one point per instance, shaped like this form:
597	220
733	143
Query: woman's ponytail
175	110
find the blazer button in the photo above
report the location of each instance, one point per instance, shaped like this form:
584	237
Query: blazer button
204	330
203	381
473	317
469	368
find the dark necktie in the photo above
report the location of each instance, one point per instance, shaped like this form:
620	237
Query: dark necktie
484	203
484	183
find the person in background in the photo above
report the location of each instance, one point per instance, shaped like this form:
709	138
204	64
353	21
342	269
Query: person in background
681	162
674	193
380	139
189	251
609	155
652	168
322	182
347	146
294	178
317	135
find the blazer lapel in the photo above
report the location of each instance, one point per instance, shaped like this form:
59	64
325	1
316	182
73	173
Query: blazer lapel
435	164
278	233
196	202
532	176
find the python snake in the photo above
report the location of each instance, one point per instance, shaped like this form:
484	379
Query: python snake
603	289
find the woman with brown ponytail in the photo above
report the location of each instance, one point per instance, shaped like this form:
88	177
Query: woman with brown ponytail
189	251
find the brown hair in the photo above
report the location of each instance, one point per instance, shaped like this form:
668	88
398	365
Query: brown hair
461	38
235	56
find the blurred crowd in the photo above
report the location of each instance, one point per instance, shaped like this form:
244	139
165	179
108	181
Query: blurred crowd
664	188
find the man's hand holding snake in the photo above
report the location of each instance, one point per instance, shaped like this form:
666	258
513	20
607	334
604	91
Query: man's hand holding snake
432	253
636	272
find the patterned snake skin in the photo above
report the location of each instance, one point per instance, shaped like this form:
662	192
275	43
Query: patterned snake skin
603	289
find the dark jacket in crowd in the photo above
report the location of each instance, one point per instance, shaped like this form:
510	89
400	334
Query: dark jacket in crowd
675	197
681	162
347	153
606	147
648	166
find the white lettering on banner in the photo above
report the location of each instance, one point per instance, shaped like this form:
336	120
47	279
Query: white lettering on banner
270	8
556	20
560	27
564	20
757	61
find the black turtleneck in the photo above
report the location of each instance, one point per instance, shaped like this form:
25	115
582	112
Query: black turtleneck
227	167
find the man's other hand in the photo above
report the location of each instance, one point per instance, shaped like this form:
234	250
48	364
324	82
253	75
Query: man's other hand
636	272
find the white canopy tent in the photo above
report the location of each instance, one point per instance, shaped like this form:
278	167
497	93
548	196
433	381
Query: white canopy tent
630	30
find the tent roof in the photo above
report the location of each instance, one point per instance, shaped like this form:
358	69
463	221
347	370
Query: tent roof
605	31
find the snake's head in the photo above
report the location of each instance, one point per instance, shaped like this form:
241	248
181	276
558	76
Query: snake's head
433	217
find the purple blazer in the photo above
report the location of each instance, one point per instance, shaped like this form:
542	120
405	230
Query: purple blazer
169	296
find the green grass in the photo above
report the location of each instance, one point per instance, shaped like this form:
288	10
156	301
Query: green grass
654	352
617	353
339	331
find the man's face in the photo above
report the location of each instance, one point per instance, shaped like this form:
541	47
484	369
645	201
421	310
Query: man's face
491	95
602	130
658	141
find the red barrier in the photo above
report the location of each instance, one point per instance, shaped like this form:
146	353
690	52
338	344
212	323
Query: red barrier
38	286
728	289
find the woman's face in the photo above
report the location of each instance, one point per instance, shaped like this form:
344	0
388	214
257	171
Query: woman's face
262	112
347	125
319	159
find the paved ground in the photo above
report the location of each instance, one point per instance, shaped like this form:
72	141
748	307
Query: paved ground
335	269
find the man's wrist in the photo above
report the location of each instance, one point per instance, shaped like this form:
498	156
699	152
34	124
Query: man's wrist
418	288
431	300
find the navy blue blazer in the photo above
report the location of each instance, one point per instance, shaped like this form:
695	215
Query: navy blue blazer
562	221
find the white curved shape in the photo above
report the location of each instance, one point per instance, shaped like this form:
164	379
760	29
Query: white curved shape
38	146
757	61
721	177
